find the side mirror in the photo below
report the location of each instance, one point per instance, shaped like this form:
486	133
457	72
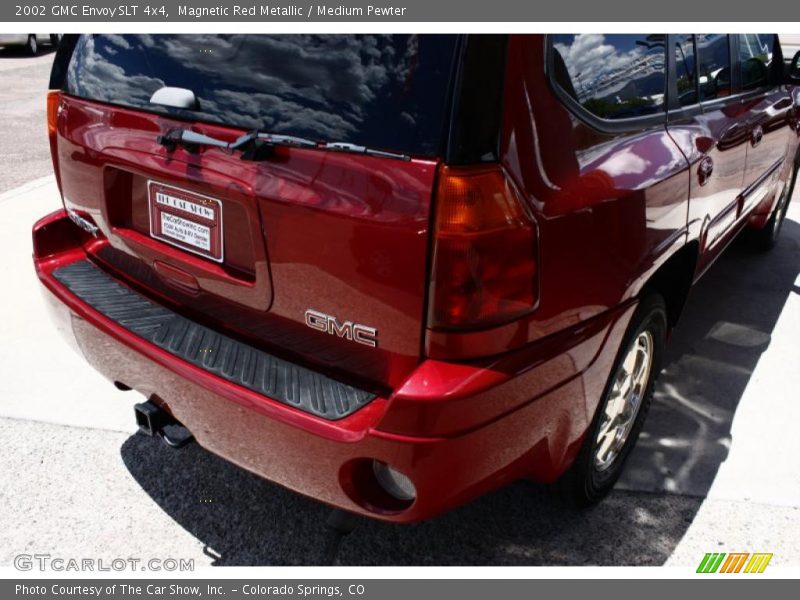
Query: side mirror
793	70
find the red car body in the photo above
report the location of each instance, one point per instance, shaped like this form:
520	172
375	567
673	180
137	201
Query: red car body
459	411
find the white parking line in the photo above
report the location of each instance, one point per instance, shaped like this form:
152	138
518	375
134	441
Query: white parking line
28	188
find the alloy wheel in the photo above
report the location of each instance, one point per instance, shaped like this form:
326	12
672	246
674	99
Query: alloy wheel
624	401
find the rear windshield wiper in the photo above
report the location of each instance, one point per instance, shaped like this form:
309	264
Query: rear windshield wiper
257	145
253	145
355	148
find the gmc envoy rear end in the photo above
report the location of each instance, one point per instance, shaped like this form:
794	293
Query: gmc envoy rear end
395	272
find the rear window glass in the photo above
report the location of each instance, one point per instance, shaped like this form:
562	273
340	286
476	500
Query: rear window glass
382	91
755	57
613	76
714	65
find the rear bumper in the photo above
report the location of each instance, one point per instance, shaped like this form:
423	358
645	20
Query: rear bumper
456	430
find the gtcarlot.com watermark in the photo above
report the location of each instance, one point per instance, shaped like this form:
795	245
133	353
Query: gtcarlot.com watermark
48	562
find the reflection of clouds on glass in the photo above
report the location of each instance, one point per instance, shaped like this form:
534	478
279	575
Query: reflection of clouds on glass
275	114
707	39
380	90
618	70
322	70
100	78
592	58
407	118
118	40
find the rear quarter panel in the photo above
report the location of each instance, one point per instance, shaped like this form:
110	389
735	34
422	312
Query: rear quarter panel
611	208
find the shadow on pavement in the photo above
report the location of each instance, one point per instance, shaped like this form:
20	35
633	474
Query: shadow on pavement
21	52
244	520
726	326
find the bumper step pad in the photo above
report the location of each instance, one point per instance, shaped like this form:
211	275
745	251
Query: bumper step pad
225	357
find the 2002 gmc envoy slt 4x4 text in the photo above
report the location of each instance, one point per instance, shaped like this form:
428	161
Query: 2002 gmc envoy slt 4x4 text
396	272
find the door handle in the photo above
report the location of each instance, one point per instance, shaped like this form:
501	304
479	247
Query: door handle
704	169
756	135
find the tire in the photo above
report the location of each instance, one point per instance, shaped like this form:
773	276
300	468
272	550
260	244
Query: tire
55	39
596	469
31	46
764	239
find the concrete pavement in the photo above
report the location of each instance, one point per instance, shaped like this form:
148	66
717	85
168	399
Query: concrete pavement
23	117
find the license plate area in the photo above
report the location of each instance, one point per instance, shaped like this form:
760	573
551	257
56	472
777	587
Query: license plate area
186	220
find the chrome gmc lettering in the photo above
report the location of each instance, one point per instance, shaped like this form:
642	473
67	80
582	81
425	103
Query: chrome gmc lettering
348	330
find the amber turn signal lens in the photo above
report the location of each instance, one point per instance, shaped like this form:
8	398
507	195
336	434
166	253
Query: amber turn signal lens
476	200
53	99
53	106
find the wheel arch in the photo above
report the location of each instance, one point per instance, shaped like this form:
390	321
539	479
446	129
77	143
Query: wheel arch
673	280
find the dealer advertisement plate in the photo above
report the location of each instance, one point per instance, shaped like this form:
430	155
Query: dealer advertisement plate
186	219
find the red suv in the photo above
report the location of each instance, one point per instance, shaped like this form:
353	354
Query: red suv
394	272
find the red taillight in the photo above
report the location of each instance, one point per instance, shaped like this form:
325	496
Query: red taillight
484	259
53	104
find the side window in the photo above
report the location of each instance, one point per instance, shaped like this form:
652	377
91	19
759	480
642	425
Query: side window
686	69
714	65
755	59
612	76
